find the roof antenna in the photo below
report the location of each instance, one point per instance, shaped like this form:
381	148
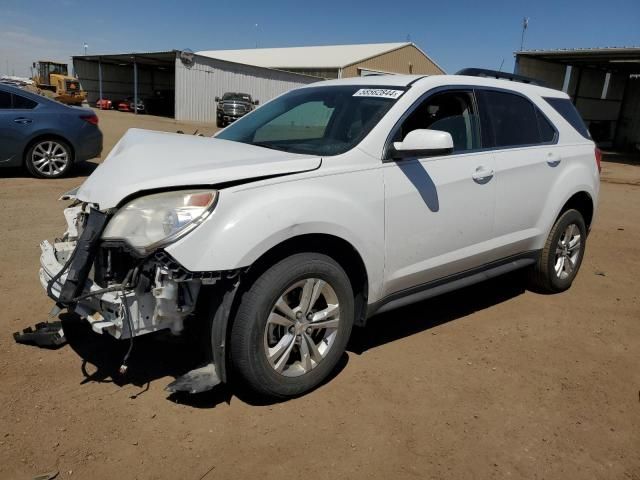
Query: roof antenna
409	37
501	64
525	25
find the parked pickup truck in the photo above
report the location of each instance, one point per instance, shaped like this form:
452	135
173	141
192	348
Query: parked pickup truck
329	204
233	106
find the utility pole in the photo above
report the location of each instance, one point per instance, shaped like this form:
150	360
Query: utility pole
85	48
525	25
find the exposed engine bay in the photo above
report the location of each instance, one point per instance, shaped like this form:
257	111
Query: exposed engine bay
115	288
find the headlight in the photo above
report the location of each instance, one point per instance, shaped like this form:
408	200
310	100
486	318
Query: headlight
155	220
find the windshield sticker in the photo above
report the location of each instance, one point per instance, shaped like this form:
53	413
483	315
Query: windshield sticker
378	92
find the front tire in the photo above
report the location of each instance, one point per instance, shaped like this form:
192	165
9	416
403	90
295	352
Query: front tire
292	325
562	254
49	158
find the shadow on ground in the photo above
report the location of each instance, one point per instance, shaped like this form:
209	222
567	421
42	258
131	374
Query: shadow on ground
161	355
80	170
403	322
625	158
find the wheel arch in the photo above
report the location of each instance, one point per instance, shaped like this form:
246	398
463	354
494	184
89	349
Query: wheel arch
333	246
582	202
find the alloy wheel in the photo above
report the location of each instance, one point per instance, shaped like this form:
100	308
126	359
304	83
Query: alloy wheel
302	327
50	158
568	251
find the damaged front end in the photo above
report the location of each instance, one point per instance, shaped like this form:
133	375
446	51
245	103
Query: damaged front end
122	290
118	291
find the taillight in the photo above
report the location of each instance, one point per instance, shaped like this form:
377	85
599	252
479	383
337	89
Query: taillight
598	159
92	119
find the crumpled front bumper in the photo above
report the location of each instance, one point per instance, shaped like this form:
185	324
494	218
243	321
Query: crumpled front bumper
124	312
89	308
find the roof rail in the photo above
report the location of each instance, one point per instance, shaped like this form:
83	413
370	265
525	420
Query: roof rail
481	72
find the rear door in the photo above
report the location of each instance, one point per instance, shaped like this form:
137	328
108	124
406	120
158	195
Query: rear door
16	126
527	160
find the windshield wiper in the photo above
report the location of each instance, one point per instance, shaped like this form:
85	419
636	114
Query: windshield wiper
270	146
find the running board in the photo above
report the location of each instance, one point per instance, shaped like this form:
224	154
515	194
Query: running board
196	381
448	284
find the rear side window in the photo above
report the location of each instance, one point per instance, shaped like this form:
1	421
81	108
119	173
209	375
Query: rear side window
547	132
515	120
565	108
23	103
5	100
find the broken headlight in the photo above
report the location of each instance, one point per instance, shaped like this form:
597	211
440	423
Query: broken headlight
156	220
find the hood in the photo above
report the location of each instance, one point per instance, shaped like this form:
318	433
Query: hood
146	160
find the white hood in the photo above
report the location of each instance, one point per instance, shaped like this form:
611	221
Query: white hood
146	160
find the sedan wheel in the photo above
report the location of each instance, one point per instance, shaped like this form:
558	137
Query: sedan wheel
49	159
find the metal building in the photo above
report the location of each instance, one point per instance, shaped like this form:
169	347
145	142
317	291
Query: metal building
179	84
604	84
337	61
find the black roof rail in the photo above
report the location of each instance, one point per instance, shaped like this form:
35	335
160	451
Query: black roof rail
482	72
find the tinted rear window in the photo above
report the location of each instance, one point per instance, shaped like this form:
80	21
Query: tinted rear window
23	102
565	108
514	119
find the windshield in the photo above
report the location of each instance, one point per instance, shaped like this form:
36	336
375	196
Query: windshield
315	120
242	97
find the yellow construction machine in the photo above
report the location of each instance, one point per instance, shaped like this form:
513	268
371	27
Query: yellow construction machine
53	80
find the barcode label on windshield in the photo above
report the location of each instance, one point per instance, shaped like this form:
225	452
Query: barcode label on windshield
378	92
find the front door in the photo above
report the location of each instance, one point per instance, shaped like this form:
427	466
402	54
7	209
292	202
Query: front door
439	210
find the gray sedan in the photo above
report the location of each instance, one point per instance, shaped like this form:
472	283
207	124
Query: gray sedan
43	135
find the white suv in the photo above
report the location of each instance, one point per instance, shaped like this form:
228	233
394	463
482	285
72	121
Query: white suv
325	206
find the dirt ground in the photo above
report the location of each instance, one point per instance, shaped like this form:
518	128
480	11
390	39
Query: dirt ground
489	382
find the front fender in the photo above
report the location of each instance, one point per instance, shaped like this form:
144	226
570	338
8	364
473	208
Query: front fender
250	220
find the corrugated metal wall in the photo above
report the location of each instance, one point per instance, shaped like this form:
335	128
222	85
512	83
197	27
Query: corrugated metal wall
117	81
197	86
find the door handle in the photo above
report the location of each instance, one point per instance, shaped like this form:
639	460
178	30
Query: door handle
482	175
23	121
553	159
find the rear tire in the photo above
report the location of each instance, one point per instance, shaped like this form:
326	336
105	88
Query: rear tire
561	256
49	158
292	325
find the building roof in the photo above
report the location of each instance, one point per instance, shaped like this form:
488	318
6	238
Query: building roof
316	57
583	51
623	59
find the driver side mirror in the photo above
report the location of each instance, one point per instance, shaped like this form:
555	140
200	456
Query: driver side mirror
422	143
256	102
217	99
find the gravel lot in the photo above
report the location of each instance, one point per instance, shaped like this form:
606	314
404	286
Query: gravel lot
489	382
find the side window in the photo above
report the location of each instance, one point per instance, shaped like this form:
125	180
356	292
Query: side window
5	100
307	121
547	132
451	112
514	119
565	108
23	103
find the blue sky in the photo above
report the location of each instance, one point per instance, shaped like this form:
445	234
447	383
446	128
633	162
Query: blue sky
455	34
